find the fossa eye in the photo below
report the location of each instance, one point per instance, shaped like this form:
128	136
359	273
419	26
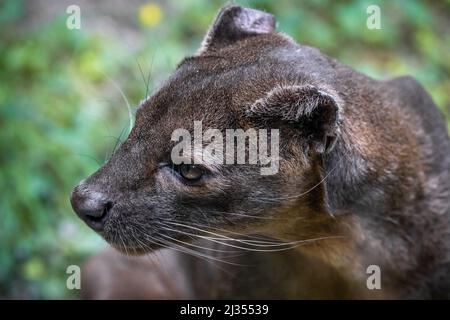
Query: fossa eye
190	172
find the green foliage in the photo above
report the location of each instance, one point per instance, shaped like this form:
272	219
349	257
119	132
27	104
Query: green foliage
61	111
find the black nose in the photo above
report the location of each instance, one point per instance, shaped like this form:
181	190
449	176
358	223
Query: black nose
92	207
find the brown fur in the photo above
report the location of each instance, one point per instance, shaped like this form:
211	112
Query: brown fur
364	166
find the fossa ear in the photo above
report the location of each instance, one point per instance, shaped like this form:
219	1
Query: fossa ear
234	23
307	109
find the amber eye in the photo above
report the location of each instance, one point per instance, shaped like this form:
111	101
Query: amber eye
190	172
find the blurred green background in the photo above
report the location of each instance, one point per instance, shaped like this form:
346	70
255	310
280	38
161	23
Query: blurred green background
62	111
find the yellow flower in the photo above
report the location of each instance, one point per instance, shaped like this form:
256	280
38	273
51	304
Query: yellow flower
150	14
